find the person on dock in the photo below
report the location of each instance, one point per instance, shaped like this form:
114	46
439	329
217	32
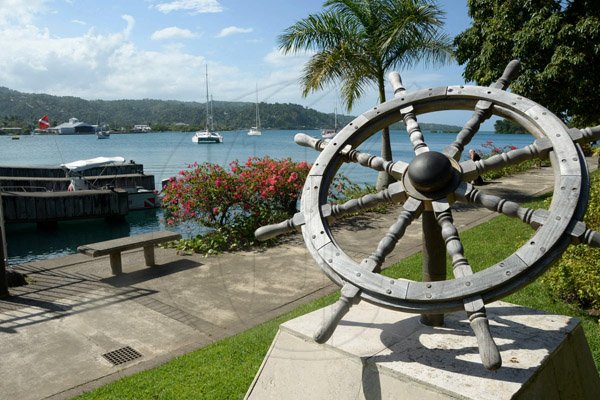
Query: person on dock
475	157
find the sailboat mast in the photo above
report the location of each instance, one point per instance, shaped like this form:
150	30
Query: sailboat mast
207	113
257	114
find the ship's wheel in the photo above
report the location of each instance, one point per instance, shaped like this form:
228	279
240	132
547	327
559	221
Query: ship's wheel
426	188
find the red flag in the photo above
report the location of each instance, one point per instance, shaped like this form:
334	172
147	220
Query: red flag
43	123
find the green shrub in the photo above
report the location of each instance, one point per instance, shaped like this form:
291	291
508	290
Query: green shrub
576	276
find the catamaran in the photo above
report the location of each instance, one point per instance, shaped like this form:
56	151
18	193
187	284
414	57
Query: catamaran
207	135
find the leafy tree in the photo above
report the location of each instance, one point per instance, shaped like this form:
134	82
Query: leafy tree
357	41
507	126
558	43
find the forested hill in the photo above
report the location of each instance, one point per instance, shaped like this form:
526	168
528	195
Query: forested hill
24	109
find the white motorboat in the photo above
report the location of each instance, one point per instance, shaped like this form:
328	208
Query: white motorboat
255	130
139	198
207	135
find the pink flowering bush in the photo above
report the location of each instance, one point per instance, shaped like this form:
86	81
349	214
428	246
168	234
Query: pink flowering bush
234	201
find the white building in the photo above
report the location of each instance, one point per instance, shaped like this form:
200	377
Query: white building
73	127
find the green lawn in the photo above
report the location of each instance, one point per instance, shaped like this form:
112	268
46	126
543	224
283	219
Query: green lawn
224	370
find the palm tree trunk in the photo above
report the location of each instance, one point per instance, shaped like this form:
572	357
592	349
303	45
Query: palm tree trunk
383	178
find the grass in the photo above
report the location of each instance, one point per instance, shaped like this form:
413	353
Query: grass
225	369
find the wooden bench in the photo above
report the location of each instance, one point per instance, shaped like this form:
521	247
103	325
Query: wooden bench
116	246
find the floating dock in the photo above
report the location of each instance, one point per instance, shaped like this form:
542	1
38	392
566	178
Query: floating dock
51	207
40	194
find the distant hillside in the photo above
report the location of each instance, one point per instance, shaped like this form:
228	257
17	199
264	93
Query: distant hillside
24	109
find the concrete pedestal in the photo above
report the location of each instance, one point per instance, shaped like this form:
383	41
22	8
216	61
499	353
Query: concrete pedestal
383	354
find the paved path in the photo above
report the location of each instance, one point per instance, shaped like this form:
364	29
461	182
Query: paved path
55	331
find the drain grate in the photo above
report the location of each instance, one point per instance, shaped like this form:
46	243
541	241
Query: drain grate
122	355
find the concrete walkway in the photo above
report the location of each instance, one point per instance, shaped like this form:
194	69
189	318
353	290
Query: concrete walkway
55	331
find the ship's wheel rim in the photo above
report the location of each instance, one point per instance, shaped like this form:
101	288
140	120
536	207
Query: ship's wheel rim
491	283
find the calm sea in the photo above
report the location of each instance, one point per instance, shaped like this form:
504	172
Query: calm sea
163	154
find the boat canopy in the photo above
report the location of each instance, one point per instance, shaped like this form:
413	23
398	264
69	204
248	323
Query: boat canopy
82	165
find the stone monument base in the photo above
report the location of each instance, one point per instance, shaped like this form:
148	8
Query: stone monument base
377	353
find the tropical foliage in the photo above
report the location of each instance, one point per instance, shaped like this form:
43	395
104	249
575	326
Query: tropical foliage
558	43
355	42
24	109
507	126
233	202
575	277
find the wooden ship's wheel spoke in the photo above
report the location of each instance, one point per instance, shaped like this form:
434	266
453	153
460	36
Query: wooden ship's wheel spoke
408	115
393	168
483	111
426	187
468	193
410	211
394	194
474	306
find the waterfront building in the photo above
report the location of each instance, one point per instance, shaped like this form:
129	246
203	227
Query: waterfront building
73	127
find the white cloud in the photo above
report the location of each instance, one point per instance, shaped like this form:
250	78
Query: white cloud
233	30
172	32
192	6
130	24
20	12
76	21
277	58
96	66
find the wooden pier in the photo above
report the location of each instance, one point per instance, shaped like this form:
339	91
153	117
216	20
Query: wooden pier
51	207
41	183
41	194
59	172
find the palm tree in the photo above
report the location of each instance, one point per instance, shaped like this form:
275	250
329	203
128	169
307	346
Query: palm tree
356	41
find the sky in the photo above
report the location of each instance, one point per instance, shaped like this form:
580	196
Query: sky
158	49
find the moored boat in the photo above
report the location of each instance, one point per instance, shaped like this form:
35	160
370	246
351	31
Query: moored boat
207	135
139	198
328	133
103	132
255	130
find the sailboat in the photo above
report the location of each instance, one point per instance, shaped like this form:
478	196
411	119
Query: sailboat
103	131
329	133
207	135
255	130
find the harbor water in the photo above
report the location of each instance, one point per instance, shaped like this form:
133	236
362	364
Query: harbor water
163	155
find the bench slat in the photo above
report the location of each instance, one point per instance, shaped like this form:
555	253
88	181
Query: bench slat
127	243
